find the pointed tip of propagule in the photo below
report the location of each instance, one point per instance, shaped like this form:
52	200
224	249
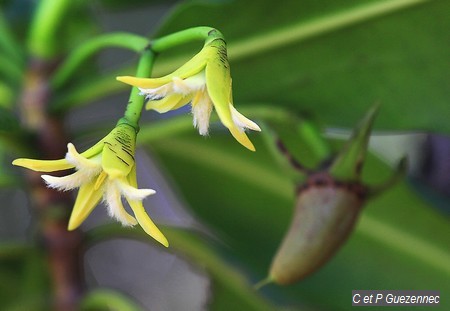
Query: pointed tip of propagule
268	280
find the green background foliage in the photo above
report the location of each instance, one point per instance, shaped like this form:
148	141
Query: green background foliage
322	61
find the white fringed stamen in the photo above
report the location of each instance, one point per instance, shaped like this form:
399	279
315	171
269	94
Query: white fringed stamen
156	93
201	111
68	182
115	207
86	170
133	193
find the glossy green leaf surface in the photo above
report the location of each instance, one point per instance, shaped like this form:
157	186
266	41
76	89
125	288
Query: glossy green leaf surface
335	59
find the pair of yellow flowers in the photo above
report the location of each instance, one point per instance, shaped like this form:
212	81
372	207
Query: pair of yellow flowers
107	170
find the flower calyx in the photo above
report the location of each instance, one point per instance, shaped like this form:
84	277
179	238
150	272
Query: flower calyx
105	171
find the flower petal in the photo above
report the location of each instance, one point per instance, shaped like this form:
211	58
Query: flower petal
190	68
43	165
190	84
241	137
71	181
218	83
170	102
201	110
79	161
146	223
86	200
133	193
145	83
115	206
241	121
93	151
142	217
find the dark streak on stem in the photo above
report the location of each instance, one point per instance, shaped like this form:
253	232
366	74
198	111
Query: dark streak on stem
51	207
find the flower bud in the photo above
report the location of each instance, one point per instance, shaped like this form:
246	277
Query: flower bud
324	216
327	207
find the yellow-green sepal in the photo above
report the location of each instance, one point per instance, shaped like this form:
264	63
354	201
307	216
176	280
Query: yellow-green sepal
170	102
43	165
142	217
191	68
241	137
118	151
88	197
93	151
218	81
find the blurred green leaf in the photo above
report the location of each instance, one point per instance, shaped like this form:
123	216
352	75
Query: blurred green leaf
24	283
6	96
13	250
8	121
8	45
231	291
132	4
335	58
12	137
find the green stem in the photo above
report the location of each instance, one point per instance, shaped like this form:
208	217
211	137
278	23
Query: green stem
49	14
136	101
124	40
95	89
185	36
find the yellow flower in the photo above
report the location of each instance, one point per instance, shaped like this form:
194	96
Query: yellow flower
107	170
204	82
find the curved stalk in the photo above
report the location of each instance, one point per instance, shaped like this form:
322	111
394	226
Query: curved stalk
188	35
105	85
136	101
123	40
